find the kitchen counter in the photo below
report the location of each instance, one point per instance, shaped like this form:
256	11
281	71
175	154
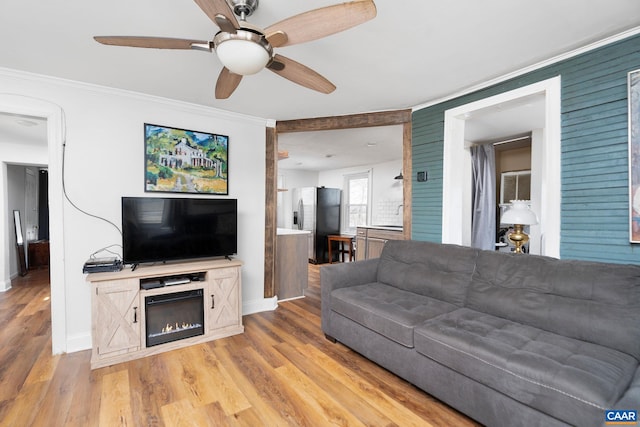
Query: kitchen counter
288	231
383	227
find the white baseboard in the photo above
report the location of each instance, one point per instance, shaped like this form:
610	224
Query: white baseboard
257	306
290	299
78	342
5	285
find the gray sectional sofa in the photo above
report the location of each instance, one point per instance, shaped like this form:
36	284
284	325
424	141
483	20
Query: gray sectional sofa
509	340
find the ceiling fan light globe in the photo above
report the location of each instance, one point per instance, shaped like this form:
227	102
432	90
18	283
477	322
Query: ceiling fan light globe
244	57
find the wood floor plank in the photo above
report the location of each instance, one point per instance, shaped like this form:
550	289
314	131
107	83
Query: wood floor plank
148	377
216	416
246	418
39	302
302	312
18	364
55	406
115	407
19	411
280	372
179	377
263	341
267	413
288	330
84	408
356	402
328	411
182	413
218	383
359	384
44	367
272	389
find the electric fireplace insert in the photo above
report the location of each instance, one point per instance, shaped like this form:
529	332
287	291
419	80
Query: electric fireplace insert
174	316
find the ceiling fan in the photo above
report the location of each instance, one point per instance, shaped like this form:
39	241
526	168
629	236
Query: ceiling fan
245	49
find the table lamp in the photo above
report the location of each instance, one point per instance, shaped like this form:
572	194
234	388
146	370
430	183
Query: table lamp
519	214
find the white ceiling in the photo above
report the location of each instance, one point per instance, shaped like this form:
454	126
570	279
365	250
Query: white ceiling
26	130
412	53
337	149
508	119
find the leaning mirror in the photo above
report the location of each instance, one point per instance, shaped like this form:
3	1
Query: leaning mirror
18	227
19	243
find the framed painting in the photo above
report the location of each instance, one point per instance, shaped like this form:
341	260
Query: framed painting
185	161
634	156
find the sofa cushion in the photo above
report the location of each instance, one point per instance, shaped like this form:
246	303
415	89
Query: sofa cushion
430	269
386	310
589	301
563	377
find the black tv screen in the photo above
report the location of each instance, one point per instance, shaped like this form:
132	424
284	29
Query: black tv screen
165	229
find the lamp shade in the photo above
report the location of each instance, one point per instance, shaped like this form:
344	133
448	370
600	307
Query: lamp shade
519	213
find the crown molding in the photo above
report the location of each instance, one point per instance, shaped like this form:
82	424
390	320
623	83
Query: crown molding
95	88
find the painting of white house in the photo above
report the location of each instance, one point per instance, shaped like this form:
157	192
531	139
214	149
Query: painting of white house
185	161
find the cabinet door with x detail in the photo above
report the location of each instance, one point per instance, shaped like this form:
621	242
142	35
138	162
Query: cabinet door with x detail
224	298
117	324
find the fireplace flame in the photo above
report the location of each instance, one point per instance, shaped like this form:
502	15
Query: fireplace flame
179	327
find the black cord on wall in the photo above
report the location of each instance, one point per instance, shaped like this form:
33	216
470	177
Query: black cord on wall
64	191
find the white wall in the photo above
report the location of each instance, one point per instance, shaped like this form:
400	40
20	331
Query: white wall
104	161
387	194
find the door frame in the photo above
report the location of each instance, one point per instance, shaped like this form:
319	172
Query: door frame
545	168
385	118
54	114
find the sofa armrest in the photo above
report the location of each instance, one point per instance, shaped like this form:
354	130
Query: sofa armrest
343	275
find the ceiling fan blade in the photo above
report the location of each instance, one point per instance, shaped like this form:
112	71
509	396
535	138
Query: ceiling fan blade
300	74
322	22
152	42
227	83
213	8
224	24
277	39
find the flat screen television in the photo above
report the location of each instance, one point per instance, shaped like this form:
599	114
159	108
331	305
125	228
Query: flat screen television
166	229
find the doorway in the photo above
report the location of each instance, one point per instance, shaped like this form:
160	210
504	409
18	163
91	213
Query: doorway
510	108
51	156
387	118
27	188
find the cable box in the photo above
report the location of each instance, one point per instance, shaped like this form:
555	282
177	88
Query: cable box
101	265
151	284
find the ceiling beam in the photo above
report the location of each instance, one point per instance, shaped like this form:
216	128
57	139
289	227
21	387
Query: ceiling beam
383	118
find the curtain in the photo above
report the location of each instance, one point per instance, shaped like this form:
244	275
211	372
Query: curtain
483	198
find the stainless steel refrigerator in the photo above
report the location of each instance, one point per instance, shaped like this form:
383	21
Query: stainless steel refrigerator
317	209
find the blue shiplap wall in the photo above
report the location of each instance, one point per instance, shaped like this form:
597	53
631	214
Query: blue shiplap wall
594	207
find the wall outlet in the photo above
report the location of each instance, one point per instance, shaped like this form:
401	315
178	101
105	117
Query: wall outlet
422	176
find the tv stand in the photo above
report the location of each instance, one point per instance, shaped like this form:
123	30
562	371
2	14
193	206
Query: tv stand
118	306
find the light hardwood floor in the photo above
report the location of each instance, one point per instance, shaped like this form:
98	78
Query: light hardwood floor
281	371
